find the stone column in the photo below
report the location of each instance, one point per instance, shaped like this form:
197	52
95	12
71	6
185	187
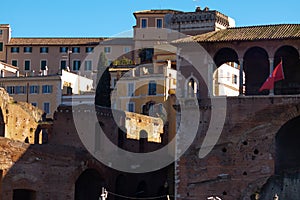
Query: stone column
271	60
241	77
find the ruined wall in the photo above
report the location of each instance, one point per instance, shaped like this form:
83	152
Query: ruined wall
244	157
20	120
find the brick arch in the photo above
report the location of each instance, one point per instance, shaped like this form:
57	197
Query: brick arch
256	60
291	67
88	185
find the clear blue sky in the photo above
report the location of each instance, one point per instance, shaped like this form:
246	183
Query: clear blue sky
105	18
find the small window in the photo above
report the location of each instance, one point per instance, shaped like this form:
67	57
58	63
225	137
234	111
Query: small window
43	64
20	89
159	23
89	49
47	107
144	23
15	50
130	89
1	46
14	63
234	79
44	49
76	65
34	89
47	89
76	50
63	49
152	88
88	65
1	32
34	104
127	49
107	49
27	49
10	89
27	65
130	107
63	64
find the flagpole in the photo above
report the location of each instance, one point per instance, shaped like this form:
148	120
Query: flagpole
271	91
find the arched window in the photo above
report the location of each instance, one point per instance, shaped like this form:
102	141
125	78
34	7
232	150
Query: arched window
192	87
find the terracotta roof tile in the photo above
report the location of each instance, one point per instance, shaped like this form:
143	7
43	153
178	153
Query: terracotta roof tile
55	41
248	33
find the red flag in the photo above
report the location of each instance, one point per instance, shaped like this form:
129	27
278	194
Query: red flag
276	75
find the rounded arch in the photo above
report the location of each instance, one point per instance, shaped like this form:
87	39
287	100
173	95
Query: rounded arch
227	73
88	185
225	55
291	67
287	141
257	70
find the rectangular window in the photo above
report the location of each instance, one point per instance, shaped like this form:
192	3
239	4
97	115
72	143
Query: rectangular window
47	107
10	89
159	23
27	49
34	89
44	49
63	64
14	63
234	79
21	89
152	88
63	49
34	104
1	32
47	89
43	64
15	50
76	65
89	49
127	49
107	49
88	65
144	23
130	107
1	46
27	65
76	50
130	89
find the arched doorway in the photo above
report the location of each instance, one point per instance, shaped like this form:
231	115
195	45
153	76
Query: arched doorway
287	147
291	67
89	185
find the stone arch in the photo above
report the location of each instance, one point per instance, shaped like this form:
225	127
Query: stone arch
291	67
287	155
256	60
226	73
88	185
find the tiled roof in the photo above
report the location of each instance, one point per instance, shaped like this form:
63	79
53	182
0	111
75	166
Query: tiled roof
118	41
162	11
249	33
55	41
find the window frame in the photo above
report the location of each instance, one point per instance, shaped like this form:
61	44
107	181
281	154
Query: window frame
27	49
48	110
34	89
44	60
156	23
16	61
26	61
61	49
106	48
47	89
142	25
152	88
86	65
15	49
44	50
73	65
75	50
89	49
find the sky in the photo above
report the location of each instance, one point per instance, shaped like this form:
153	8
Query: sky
110	18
